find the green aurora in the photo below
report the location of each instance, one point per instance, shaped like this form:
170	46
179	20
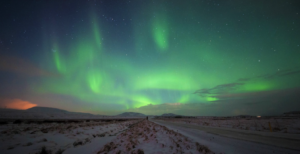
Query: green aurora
156	52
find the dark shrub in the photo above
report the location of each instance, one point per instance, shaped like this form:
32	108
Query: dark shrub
17	121
76	143
28	144
44	151
3	122
59	151
202	148
140	151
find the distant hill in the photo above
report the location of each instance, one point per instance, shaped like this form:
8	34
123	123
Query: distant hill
50	110
44	113
131	114
46	110
245	116
8	110
292	113
169	115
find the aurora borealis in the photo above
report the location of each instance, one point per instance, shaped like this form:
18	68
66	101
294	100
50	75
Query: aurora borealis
186	57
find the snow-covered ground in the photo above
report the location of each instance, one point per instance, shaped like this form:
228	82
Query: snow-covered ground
149	137
91	137
70	137
282	125
137	136
233	141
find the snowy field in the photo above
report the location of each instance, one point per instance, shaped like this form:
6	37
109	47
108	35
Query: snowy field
134	136
283	125
149	137
235	141
59	136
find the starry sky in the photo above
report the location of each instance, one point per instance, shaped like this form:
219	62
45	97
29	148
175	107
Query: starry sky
193	57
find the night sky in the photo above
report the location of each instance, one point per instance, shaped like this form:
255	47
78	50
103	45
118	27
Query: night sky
191	57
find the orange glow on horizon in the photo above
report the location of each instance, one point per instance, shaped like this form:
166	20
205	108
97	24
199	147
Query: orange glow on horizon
17	104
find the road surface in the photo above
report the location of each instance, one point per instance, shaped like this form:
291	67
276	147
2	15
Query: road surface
232	141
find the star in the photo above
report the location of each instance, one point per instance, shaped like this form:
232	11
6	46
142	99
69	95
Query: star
258	60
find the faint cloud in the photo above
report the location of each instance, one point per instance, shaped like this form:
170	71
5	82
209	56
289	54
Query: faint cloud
173	104
227	88
218	89
244	79
274	102
280	73
16	104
